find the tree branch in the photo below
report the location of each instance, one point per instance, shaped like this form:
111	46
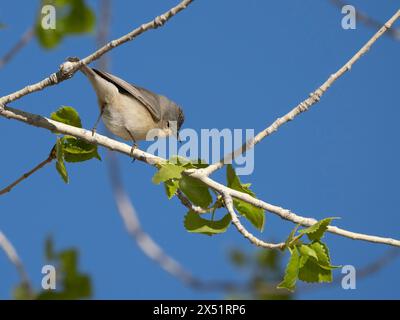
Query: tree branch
186	202
200	174
307	103
235	220
67	69
54	126
12	255
287	214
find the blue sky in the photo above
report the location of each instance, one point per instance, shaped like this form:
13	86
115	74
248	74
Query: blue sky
230	64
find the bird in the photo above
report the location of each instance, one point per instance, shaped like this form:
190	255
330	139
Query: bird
132	112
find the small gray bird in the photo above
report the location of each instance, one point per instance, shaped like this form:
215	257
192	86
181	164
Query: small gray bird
129	111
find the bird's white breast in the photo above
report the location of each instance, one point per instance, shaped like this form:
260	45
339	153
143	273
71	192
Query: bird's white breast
127	114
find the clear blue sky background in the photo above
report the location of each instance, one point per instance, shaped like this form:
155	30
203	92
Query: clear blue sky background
230	64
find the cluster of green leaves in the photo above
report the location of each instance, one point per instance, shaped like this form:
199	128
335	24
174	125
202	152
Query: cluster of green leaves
265	270
171	174
72	17
309	262
68	148
71	283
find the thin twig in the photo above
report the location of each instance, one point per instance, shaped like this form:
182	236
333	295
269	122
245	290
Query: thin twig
306	104
186	202
22	42
235	220
12	255
26	175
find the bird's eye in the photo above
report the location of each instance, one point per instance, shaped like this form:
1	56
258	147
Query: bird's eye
168	124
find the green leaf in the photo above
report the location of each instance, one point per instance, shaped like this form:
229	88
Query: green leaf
194	223
234	181
322	251
80	19
48	38
67	115
303	260
238	257
78	287
291	272
187	163
255	215
75	285
268	259
197	165
71	283
68	262
73	17
307	250
196	191
317	230
51	295
168	171
171	186
60	164
22	292
77	150
319	268
312	272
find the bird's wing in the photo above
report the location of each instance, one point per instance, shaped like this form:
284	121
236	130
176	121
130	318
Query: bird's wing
149	99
